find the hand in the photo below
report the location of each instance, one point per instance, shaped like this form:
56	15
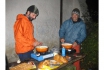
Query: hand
74	44
62	40
40	43
37	43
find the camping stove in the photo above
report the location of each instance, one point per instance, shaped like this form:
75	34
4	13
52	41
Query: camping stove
42	56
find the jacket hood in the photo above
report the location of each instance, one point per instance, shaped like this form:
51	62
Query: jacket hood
21	16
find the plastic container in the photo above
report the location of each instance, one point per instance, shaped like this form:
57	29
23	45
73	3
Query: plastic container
63	52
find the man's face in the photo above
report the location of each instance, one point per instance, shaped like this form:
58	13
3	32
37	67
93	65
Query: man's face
75	17
32	16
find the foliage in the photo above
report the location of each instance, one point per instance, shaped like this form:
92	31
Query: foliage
90	48
90	44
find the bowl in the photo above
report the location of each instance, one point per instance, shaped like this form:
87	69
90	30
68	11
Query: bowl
67	45
41	49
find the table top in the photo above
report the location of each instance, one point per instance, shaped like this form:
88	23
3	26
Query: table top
74	57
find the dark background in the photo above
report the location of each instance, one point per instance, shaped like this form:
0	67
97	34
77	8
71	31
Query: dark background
90	44
93	9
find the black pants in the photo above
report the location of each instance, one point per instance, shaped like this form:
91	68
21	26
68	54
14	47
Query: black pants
6	62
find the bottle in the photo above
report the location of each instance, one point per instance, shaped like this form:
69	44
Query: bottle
63	51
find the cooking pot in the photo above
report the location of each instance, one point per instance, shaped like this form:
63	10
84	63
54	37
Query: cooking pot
41	49
67	45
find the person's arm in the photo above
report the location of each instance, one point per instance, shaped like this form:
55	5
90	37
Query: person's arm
19	28
62	31
82	35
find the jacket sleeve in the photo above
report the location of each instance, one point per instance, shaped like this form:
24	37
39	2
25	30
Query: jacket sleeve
19	28
62	30
82	34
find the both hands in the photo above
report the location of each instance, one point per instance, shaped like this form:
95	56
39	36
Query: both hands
37	43
74	44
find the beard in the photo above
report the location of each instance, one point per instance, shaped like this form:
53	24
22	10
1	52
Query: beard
30	18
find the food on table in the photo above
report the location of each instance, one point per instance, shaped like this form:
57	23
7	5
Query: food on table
48	65
57	58
44	63
23	66
60	59
63	60
53	62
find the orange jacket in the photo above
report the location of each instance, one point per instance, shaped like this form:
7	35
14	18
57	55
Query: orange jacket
23	34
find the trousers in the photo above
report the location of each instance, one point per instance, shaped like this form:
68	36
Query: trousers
25	56
77	63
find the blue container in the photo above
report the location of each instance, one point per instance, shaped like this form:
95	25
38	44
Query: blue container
63	52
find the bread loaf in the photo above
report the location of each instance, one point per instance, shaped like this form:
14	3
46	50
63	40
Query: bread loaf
63	60
60	59
41	64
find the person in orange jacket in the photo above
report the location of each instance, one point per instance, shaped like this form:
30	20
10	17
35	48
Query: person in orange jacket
24	33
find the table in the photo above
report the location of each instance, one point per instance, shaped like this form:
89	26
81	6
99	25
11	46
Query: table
74	57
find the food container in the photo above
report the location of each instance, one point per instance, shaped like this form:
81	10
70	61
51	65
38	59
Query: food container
41	49
67	45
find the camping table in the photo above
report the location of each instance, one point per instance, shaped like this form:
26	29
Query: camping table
71	61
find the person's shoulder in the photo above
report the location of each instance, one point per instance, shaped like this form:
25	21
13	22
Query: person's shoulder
67	21
18	15
21	17
81	21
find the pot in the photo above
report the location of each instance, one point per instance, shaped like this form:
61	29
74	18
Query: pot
41	49
67	45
